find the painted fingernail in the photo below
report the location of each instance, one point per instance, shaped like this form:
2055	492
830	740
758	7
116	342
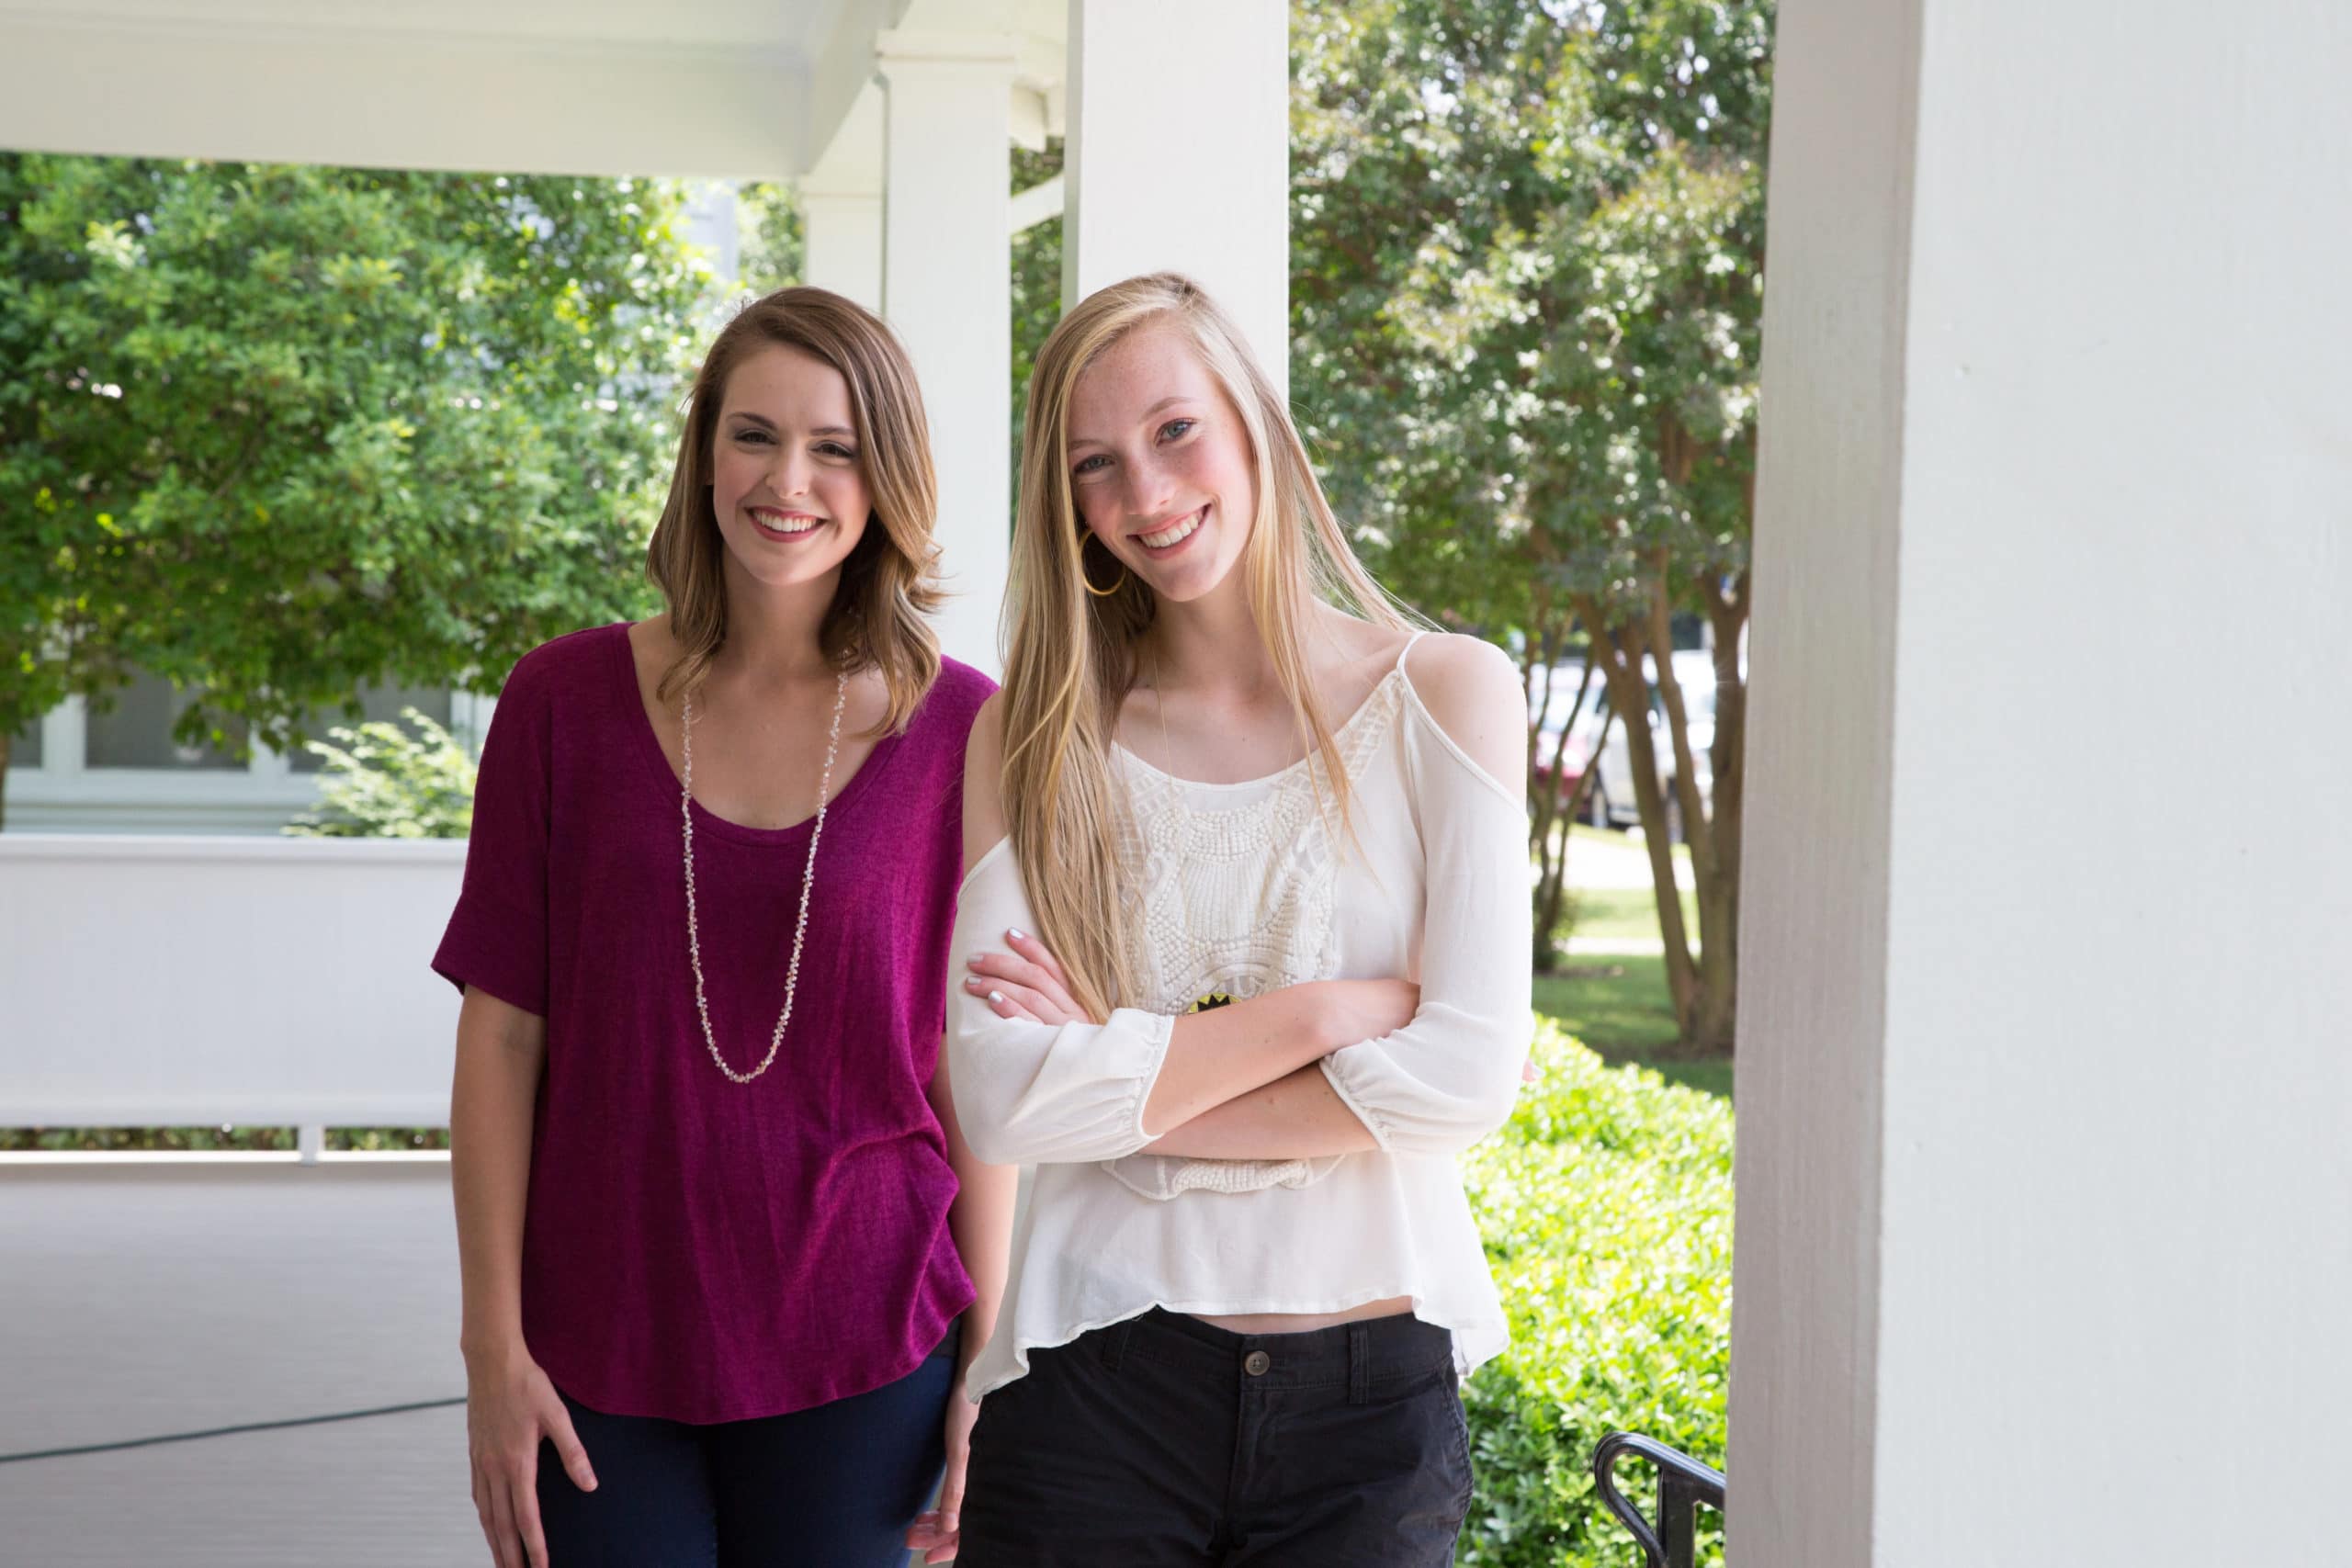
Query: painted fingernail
996	997
1016	934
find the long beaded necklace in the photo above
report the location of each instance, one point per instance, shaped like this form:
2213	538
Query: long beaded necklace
808	880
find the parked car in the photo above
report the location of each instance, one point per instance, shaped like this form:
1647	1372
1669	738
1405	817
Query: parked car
1611	801
1582	741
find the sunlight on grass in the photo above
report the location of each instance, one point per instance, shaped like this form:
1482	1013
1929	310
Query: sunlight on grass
1619	1007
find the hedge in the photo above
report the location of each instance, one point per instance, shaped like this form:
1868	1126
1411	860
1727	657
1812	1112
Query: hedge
1606	1207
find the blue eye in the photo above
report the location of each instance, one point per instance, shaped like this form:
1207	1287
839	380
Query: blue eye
1176	427
1086	466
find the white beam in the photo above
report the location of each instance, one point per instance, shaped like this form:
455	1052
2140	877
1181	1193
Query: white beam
1220	211
2044	1175
397	97
1041	203
948	289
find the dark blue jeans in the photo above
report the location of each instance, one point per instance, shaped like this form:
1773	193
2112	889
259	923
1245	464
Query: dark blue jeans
1165	1443
835	1487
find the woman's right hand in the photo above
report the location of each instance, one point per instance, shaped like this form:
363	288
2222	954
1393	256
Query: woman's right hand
1356	1010
510	1406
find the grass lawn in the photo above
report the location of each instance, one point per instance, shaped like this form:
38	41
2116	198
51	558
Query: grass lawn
1626	913
1584	832
1619	1007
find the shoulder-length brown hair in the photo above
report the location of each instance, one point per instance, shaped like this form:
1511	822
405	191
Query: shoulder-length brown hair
890	580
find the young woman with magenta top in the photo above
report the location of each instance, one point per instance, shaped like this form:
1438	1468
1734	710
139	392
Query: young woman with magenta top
1244	936
717	1228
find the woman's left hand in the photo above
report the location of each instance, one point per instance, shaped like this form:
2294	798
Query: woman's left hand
935	1533
1025	983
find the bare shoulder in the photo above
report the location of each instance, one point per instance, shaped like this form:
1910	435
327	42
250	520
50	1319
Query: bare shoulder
984	823
985	744
1453	674
1472	689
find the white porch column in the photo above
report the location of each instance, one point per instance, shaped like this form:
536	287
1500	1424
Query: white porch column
2045	1071
841	206
946	288
845	238
1220	211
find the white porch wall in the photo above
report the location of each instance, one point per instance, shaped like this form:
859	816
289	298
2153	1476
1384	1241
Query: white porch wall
1178	157
190	981
946	288
2045	1191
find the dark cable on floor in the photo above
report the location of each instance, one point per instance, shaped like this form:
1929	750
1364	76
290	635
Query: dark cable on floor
230	1431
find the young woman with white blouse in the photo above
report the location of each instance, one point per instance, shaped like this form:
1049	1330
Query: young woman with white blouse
1270	841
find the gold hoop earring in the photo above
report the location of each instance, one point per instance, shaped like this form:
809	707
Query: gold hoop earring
1089	582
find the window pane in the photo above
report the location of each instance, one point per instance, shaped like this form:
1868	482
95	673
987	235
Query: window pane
377	702
137	732
24	746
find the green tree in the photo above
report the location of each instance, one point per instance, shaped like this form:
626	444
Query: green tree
773	237
1527	277
276	433
411	780
1036	286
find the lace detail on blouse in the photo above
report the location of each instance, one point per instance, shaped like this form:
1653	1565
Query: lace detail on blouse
1240	899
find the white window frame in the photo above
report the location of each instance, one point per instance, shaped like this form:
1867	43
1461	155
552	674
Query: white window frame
64	794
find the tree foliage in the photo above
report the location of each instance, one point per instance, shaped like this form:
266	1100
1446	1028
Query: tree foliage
1527	269
277	433
412	780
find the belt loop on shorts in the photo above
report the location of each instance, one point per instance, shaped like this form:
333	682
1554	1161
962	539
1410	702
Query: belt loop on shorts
1114	1342
1358	1363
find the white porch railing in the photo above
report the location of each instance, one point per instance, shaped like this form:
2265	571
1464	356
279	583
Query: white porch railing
149	981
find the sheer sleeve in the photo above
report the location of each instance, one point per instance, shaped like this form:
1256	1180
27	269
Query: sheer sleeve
1034	1093
1448	1078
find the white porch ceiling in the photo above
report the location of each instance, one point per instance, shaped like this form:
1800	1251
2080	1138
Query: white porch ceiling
725	88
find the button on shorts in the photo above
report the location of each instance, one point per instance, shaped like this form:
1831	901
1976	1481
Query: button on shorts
1164	1440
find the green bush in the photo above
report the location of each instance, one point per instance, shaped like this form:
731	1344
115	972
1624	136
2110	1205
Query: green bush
384	782
1606	1207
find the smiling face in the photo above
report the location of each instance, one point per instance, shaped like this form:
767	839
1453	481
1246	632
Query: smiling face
1160	465
786	481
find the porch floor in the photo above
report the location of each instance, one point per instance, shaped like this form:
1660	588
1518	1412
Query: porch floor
149	1295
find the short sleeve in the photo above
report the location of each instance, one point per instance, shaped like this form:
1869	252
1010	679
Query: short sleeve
497	936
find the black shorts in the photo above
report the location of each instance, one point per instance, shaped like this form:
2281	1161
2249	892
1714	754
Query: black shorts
1165	1440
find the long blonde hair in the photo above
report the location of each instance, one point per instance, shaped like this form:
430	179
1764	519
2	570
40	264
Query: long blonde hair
890	580
1070	661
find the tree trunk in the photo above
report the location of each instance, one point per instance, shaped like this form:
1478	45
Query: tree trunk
1548	848
1701	980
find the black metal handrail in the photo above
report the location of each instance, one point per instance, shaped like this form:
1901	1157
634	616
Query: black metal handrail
1683	1485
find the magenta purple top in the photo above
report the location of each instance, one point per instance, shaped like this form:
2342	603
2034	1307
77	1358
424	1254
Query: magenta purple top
695	1248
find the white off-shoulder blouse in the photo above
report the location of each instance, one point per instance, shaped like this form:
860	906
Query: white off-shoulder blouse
1246	888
